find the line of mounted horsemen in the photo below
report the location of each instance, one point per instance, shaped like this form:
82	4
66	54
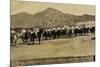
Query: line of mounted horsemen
37	34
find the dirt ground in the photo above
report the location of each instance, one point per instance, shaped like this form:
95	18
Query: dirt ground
62	47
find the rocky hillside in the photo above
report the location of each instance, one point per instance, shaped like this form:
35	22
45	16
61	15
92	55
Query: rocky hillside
47	18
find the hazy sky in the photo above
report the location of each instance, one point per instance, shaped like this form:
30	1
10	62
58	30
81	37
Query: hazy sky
34	7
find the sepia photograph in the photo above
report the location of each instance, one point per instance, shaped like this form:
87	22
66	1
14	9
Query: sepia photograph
51	33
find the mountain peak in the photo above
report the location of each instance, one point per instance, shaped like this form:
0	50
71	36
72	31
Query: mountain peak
51	12
51	9
23	13
86	15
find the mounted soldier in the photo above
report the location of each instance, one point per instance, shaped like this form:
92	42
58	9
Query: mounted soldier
33	36
66	28
72	30
54	32
58	32
13	37
76	30
49	33
23	35
12	32
92	29
27	36
81	30
45	34
62	31
38	33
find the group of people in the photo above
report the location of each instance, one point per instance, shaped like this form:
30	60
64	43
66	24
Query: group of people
37	34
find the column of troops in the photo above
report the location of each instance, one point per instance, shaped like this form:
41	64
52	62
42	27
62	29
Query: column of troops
30	35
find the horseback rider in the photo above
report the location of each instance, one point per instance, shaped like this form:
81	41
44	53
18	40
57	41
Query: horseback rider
38	33
14	36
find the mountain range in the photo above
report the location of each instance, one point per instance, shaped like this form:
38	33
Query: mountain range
48	18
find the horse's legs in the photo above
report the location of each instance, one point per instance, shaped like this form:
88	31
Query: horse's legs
11	40
15	42
23	40
33	40
39	40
